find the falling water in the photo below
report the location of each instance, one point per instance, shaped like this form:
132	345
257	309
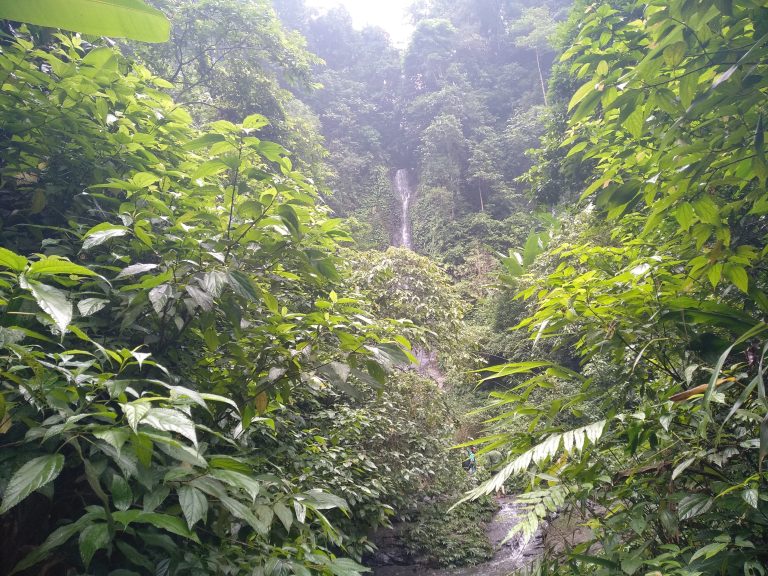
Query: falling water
405	193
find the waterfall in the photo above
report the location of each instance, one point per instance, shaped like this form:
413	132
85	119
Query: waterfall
403	189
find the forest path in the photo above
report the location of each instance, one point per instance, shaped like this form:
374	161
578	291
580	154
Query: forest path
507	557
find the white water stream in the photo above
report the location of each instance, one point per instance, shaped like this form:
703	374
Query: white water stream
405	193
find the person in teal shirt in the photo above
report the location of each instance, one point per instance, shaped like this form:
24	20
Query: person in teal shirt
470	464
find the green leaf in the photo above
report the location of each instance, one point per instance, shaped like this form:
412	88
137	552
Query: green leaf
674	53
122	496
255	121
270	301
172	524
631	565
134	412
709	550
763	442
92	539
171	420
580	94
284	514
240	510
209	168
52	301
685	215
324	501
55	539
101	233
119	18
694	505
12	260
237	480
193	503
203	141
243	285
33	475
738	276
135	269
533	247
751	497
689	84
715	273
90	306
707	211
144	179
635	121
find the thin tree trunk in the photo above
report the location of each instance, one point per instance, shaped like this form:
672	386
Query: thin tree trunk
541	77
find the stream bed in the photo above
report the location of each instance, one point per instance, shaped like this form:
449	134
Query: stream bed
507	557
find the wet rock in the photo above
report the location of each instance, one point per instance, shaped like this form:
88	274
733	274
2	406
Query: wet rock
391	549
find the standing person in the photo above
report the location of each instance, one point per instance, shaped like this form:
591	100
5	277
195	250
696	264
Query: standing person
470	464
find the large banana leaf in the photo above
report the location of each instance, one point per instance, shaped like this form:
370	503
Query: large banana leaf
119	18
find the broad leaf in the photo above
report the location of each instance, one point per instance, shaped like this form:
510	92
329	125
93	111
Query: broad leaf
120	18
92	539
193	503
52	301
33	475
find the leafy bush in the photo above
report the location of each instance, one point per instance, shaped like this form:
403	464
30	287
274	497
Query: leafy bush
452	537
167	301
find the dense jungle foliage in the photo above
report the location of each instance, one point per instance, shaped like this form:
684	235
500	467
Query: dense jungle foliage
216	356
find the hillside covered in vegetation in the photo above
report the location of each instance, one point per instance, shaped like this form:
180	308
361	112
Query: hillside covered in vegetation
265	276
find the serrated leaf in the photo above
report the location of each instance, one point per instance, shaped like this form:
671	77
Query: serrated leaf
751	497
115	437
134	412
680	468
209	168
52	301
122	495
33	475
709	550
12	260
580	94
170	420
90	306
738	276
325	501
101	233
255	121
237	480
92	539
685	215
635	121
193	503
284	514
674	53
135	269
55	539
240	510
53	265
172	524
694	505
159	297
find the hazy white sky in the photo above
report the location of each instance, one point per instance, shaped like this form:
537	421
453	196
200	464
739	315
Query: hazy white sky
388	14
